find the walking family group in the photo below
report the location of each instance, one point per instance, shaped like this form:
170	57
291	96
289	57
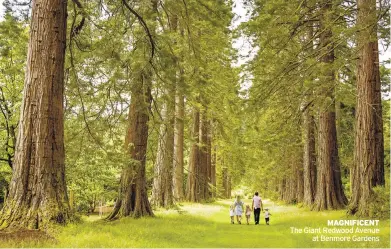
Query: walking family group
236	209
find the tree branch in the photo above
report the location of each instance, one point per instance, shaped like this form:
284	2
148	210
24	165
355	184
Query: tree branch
144	25
76	30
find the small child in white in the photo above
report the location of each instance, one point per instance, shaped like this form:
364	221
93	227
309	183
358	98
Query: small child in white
267	215
232	213
248	213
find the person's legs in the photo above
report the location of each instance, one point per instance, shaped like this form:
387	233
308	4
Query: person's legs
255	216
257	211
267	221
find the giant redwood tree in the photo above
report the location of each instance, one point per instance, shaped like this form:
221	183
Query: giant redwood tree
309	160
178	173
199	181
38	193
163	181
368	169
132	197
162	192
192	187
329	191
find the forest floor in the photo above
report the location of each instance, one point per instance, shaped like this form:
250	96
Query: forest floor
204	225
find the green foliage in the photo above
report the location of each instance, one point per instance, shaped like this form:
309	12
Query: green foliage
13	52
380	204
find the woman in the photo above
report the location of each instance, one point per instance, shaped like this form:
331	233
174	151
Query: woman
238	204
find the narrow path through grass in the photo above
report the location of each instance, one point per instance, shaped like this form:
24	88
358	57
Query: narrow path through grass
204	225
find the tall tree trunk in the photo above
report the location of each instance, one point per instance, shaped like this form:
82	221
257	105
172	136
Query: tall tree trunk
38	194
282	188
178	181
226	182
309	166
378	177
329	192
368	169
309	156
209	156
132	195
293	183
193	169
213	171
203	160
300	182
229	186
178	144
162	194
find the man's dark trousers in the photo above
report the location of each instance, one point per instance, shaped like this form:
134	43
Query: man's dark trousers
257	212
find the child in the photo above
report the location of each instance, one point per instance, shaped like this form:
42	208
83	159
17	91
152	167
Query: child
232	213
267	214
248	213
239	206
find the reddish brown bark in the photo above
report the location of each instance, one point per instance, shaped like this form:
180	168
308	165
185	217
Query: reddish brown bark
368	169
193	169
203	159
162	192
329	192
213	171
309	165
132	195
178	187
38	194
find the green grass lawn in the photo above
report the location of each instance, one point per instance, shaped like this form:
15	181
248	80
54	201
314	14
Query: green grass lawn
202	225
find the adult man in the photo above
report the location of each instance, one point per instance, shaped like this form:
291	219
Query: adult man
257	206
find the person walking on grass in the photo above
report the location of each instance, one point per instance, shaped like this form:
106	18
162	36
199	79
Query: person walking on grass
232	213
257	207
267	216
248	214
238	209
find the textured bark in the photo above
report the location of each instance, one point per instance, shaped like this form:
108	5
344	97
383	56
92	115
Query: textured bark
209	156
192	193
200	160
203	158
329	192
178	184
289	190
309	165
163	188
132	195
372	57
292	185
229	186
299	183
368	169
162	194
226	183
309	149
38	194
213	171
